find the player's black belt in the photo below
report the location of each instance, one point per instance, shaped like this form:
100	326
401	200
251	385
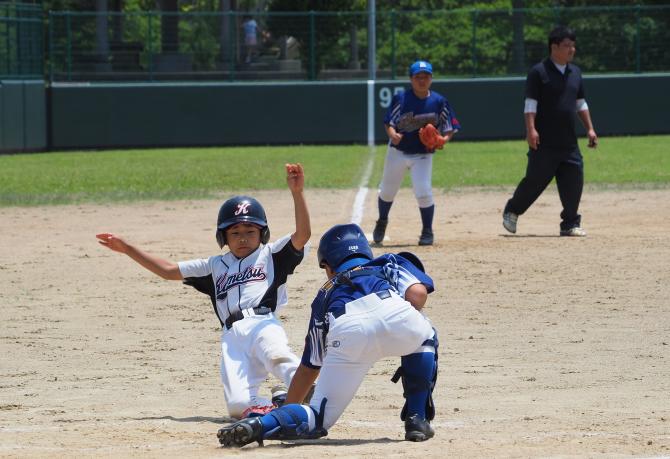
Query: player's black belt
384	294
238	315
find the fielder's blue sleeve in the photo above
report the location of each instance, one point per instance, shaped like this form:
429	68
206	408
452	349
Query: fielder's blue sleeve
315	341
393	112
409	270
448	121
401	273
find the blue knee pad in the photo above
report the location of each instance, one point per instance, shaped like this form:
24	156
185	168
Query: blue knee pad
419	375
290	422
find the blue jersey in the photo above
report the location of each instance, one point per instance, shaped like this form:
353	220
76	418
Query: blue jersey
387	272
407	114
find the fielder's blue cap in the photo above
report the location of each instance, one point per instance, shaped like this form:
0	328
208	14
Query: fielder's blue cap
420	66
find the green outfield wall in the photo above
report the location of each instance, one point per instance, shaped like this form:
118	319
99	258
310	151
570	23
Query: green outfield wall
23	120
206	114
192	114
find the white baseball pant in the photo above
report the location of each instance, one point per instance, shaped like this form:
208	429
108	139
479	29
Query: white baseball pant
420	167
371	329
251	349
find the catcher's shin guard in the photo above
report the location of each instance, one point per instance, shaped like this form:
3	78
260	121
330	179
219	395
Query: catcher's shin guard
292	422
289	422
241	433
414	382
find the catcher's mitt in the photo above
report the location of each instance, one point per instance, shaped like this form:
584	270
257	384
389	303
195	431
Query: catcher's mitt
431	138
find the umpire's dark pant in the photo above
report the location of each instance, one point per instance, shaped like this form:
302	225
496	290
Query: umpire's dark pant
543	165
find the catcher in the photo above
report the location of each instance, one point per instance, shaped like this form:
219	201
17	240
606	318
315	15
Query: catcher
368	309
417	122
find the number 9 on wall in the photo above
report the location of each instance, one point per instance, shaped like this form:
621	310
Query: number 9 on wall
386	95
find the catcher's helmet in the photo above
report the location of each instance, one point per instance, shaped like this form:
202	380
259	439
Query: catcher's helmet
241	209
341	243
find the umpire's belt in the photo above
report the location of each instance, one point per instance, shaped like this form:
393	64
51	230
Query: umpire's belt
239	315
383	295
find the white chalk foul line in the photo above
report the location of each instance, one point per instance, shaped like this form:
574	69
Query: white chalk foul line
359	202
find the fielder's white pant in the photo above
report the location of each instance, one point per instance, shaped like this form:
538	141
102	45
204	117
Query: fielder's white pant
370	329
420	168
252	348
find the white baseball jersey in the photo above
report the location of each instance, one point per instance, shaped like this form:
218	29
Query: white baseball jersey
253	347
243	283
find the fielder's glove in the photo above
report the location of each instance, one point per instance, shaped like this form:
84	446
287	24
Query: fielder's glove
430	137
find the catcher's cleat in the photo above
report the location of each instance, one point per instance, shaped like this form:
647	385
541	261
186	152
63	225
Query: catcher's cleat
418	429
379	231
509	221
426	237
241	433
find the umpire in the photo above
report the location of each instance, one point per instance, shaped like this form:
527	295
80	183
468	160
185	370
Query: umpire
554	92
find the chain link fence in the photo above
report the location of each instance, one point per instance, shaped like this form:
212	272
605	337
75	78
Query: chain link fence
235	46
21	41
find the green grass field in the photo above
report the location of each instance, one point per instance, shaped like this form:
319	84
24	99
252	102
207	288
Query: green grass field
179	173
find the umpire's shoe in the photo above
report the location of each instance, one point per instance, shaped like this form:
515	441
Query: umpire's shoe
426	237
418	429
573	232
509	221
379	231
241	433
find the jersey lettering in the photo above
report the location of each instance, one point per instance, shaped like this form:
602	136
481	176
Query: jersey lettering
251	274
409	122
256	280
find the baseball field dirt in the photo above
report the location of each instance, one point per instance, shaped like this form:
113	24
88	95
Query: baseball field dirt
549	346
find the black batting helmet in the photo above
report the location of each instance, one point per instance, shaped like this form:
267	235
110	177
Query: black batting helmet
241	209
341	243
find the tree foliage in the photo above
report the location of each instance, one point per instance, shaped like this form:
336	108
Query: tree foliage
460	37
319	35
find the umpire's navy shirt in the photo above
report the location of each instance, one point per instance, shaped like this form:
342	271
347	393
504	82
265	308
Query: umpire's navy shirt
556	94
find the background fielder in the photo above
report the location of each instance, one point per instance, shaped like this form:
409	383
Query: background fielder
247	286
409	111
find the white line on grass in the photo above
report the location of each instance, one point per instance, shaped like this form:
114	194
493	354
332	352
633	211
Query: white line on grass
359	202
